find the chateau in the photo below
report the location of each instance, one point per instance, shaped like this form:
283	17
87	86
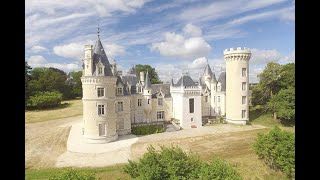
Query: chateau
113	102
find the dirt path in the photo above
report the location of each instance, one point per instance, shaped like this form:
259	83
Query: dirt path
46	141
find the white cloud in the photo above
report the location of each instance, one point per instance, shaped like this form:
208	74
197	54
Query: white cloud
264	56
199	63
35	61
223	9
72	50
36	49
114	50
176	45
76	50
40	61
192	30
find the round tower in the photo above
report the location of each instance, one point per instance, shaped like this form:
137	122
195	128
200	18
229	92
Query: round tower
148	98
237	85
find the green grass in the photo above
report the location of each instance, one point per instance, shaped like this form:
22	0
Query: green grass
266	119
108	172
67	109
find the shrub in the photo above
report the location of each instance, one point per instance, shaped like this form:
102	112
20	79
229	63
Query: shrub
174	163
147	129
277	148
71	174
45	99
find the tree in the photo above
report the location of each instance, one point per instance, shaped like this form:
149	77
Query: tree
287	76
152	73
269	81
74	82
27	78
283	103
49	79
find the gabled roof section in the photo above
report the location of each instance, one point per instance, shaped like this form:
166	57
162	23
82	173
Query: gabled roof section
163	88
185	80
100	55
222	80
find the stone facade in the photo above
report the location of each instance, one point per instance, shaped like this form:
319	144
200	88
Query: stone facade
113	102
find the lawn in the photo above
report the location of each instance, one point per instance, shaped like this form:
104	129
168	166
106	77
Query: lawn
265	119
108	172
67	109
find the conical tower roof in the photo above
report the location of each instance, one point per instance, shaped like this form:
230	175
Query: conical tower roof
100	55
207	71
147	82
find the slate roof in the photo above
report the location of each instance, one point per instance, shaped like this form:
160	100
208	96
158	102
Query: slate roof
132	80
185	80
100	55
165	89
207	70
222	80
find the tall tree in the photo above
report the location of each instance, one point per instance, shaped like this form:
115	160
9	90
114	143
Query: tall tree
152	73
27	78
287	75
283	103
74	81
269	81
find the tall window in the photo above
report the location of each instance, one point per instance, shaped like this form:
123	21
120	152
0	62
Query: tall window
214	99
100	109
139	89
244	86
191	105
119	91
243	115
121	124
148	101
160	101
100	92
120	106
206	98
244	72
218	98
160	115
102	129
139	102
244	99
214	110
100	70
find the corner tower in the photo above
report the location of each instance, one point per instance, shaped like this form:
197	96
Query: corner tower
237	85
98	86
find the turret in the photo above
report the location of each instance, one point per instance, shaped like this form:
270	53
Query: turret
148	98
237	85
142	77
207	74
88	62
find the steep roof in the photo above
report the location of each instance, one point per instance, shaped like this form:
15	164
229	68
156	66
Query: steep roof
165	89
132	80
100	55
185	80
222	80
207	70
147	82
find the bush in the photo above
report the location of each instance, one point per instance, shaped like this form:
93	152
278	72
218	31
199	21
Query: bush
174	163
147	129
277	148
71	174
45	99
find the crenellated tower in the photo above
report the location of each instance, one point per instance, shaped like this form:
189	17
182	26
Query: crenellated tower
237	85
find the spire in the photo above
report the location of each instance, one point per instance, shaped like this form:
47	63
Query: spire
182	84
207	71
147	82
98	29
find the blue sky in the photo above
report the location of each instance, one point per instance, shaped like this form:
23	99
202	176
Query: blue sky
174	36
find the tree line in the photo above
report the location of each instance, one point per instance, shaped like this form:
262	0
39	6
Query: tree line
47	87
275	91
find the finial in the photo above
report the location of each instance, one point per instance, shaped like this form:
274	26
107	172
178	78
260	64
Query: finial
98	29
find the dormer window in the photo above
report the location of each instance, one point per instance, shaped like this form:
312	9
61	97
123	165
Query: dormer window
160	101
119	91
99	70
